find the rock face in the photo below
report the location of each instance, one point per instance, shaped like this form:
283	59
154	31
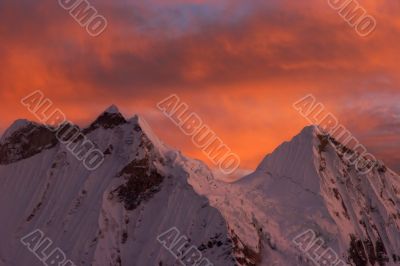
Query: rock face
114	214
29	139
109	119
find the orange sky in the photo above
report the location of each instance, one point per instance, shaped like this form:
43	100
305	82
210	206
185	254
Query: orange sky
239	65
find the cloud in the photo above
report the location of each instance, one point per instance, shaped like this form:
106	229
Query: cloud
239	65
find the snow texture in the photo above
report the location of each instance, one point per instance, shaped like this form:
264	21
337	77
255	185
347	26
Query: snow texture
113	215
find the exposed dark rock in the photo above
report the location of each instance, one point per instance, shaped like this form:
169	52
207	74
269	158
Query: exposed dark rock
39	204
124	237
381	253
215	241
245	256
109	150
370	251
324	139
382	169
338	196
362	252
26	142
357	253
142	183
106	120
344	149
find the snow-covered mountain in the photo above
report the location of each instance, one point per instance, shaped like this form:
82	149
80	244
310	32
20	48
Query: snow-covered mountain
110	216
114	214
306	185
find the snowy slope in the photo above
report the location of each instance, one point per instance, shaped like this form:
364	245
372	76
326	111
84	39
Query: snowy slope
110	216
113	215
304	184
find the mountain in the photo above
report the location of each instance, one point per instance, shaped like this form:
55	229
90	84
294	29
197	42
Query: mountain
305	185
109	216
115	214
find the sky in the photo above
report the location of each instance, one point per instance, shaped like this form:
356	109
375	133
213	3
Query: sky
240	65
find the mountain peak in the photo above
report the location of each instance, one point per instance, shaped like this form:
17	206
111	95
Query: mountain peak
15	126
311	129
110	118
303	141
24	139
112	109
310	132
